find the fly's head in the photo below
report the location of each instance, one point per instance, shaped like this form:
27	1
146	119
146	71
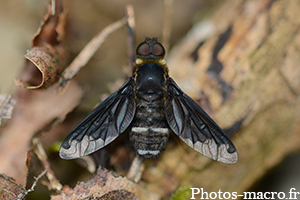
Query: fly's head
150	50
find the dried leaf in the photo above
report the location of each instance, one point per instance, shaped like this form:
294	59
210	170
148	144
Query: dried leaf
35	111
9	189
52	28
118	194
104	184
6	106
45	68
47	56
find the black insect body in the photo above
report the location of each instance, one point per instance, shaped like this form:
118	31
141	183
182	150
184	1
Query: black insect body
150	105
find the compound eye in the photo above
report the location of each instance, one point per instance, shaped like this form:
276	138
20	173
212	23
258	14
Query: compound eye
158	50
143	49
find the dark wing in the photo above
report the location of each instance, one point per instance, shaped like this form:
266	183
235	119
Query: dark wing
190	122
104	124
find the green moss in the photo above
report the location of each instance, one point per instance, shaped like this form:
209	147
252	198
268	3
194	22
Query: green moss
182	193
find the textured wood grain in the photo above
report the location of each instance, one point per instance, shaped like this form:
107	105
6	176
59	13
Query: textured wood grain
260	61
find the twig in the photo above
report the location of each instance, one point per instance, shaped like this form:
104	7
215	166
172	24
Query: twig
35	182
167	23
88	163
41	154
53	7
88	51
130	35
23	195
136	169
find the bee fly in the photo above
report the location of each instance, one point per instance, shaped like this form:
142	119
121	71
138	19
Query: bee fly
151	105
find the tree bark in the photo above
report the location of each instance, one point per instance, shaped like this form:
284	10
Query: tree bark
249	52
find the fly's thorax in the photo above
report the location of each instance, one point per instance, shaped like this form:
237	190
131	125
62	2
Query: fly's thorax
141	62
149	129
150	80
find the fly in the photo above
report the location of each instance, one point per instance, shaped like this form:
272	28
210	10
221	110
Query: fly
151	105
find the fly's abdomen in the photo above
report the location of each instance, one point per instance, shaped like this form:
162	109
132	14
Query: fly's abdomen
149	129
